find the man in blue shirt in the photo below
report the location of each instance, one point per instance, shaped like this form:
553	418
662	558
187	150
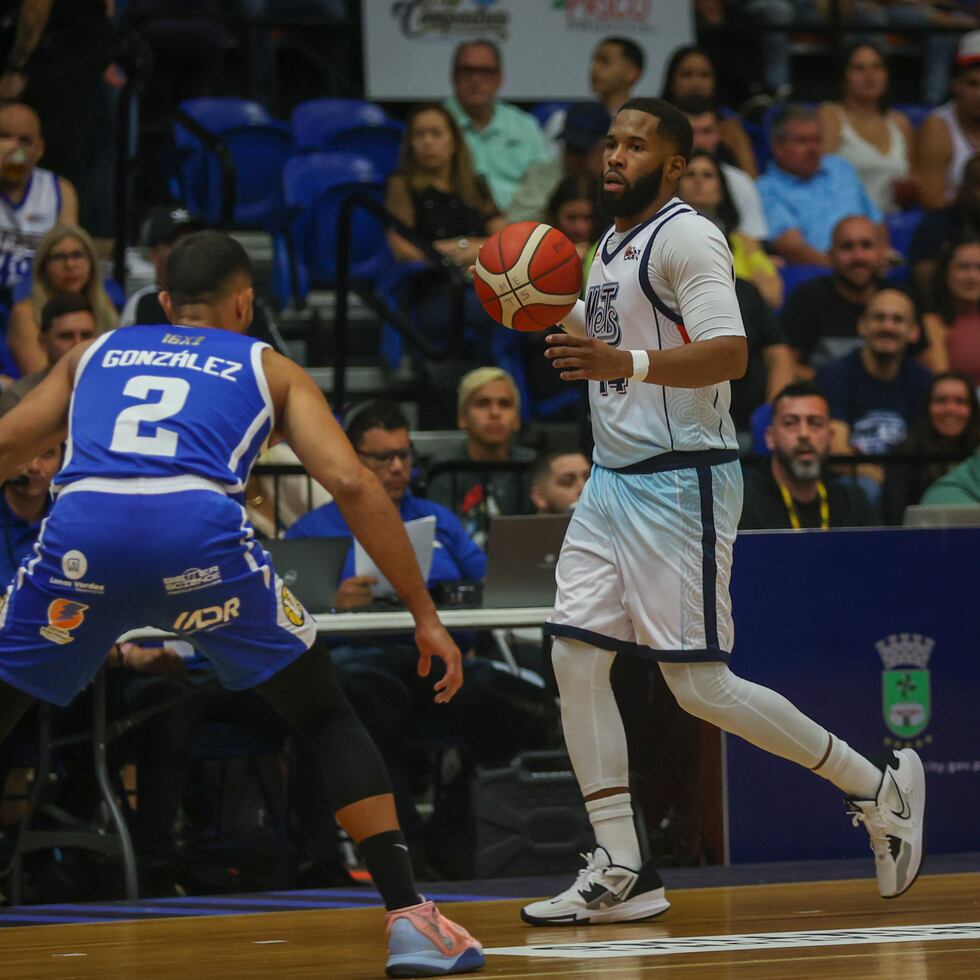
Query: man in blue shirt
805	192
24	503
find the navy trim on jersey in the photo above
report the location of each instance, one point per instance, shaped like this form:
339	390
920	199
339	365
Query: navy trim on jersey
57	196
697	656
609	256
663	389
678	460
645	283
23	200
709	564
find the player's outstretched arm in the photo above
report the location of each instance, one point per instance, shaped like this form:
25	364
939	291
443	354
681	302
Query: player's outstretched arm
305	421
40	420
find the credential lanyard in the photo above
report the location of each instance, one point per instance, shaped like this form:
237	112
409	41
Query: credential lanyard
794	518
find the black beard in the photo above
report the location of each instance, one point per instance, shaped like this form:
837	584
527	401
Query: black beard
637	196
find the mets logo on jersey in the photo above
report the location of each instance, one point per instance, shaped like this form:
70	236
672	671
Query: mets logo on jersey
64	615
601	318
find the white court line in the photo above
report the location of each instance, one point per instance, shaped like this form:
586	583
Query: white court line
752	941
69	954
268	942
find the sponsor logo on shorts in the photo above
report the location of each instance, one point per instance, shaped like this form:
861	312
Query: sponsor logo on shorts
192	579
210	617
292	608
74	565
64	615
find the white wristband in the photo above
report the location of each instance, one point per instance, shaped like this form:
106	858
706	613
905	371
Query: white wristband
641	365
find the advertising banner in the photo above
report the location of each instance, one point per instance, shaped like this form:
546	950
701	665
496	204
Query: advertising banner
546	44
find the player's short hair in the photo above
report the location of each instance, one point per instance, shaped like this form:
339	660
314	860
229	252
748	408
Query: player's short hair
377	414
61	304
203	266
788	115
672	124
798	389
484	42
698	105
631	51
476	379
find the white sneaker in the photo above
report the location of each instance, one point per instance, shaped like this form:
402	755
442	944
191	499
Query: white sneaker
896	835
603	892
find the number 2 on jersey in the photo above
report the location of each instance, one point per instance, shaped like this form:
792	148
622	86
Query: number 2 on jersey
126	437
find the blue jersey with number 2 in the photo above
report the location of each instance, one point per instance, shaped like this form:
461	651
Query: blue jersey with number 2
165	401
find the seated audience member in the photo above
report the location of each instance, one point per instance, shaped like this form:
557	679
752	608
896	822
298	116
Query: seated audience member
705	186
489	412
617	65
952	324
67	320
706	123
65	262
557	481
381	681
861	129
949	424
24	503
940	228
793	491
582	139
503	139
960	487
571	209
690	72
805	191
877	392
821	315
165	225
950	135
35	200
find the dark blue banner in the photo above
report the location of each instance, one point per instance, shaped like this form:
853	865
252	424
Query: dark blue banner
876	635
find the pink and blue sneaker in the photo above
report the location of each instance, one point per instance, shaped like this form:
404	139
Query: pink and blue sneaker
422	942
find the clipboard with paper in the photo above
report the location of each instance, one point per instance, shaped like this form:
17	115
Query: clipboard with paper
422	535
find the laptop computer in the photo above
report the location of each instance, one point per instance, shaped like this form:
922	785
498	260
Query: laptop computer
941	515
522	553
311	568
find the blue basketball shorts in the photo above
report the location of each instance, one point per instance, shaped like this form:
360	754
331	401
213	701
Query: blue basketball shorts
646	563
109	562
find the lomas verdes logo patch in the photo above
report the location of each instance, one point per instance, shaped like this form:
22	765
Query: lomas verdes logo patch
905	687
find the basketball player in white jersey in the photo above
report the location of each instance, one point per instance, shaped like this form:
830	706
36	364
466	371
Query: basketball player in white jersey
646	562
32	200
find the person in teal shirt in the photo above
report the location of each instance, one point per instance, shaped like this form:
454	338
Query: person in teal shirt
959	487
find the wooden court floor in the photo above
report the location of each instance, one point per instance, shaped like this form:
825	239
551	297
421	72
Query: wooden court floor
829	930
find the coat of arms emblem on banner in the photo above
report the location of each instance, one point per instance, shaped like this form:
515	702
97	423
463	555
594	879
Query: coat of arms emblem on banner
905	696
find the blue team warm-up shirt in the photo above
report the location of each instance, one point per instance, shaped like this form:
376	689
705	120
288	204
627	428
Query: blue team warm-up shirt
148	528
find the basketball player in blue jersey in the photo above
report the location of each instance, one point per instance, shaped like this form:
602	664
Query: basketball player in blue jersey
646	562
163	424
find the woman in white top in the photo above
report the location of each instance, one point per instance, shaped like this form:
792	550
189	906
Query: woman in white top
875	140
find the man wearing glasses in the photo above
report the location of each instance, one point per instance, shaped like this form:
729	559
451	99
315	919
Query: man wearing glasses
503	139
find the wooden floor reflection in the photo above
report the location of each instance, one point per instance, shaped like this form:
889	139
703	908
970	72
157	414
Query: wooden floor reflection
347	944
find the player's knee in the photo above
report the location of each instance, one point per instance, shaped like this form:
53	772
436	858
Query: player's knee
574	664
700	689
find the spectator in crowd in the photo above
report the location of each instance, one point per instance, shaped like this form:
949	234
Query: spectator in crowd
65	262
949	425
582	138
165	224
953	323
489	412
706	122
821	315
35	199
557	481
793	491
690	72
876	392
503	139
617	64
24	503
67	320
960	487
805	191
571	209
705	186
874	139
382	681
951	134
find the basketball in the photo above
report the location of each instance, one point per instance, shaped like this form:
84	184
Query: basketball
528	276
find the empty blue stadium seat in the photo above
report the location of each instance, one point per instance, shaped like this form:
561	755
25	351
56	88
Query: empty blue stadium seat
901	226
543	111
259	146
795	275
916	113
348	126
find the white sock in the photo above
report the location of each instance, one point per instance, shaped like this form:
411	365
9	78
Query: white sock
612	820
849	771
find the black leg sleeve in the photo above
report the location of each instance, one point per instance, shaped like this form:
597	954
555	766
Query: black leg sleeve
13	705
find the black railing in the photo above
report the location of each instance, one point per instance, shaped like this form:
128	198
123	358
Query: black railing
213	144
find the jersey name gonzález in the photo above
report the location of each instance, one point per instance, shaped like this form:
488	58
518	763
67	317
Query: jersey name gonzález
164	401
660	285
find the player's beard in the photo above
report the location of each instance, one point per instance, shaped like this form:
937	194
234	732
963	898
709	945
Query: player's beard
636	196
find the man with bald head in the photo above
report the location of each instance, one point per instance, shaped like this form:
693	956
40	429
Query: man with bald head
877	391
33	199
821	315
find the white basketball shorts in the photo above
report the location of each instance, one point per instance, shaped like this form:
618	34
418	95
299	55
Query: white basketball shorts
647	559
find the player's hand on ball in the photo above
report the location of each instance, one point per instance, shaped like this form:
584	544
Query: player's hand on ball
586	359
433	641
